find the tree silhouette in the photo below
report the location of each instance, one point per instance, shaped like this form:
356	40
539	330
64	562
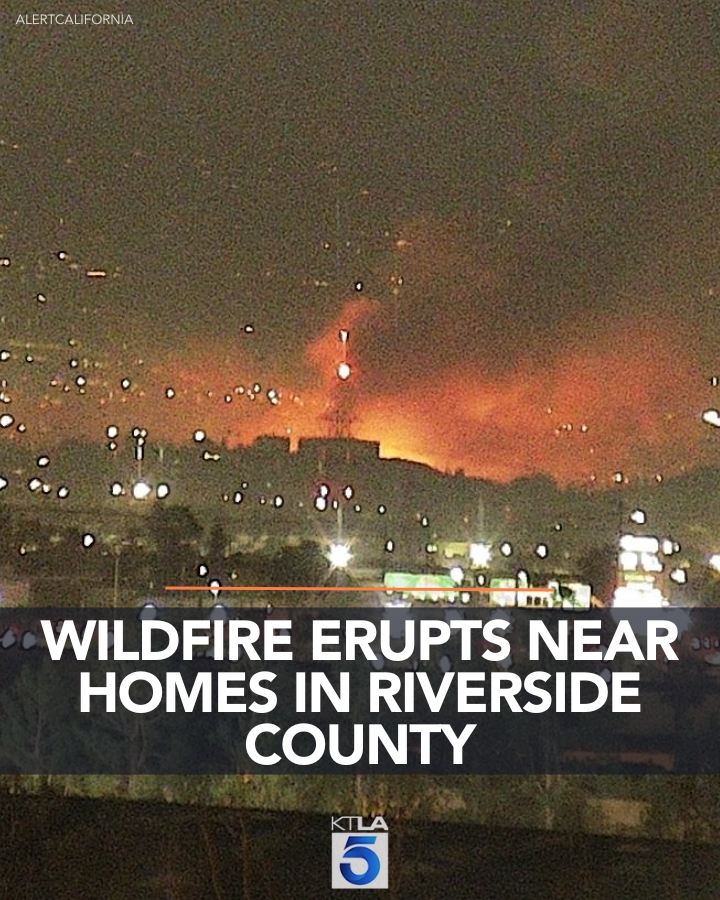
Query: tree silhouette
598	567
304	565
176	533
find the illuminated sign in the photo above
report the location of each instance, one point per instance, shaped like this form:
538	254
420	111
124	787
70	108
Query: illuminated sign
408	582
633	543
503	597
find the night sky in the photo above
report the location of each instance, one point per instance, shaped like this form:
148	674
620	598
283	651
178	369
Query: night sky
526	194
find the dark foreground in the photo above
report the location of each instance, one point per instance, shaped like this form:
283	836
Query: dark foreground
58	848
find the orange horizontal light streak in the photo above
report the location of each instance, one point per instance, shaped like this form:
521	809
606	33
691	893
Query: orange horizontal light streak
382	589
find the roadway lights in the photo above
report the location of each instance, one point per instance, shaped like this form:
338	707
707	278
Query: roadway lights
219	613
148	611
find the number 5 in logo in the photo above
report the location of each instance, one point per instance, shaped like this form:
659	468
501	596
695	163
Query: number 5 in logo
355	849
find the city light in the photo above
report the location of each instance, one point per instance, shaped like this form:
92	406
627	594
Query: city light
339	556
506	549
679	576
141	490
637	595
480	555
639	543
457	574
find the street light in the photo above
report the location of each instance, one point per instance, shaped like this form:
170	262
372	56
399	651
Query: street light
339	556
480	555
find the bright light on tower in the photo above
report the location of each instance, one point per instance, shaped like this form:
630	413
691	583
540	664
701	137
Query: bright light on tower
339	556
344	371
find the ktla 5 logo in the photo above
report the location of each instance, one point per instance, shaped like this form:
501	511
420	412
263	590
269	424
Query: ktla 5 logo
359	858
